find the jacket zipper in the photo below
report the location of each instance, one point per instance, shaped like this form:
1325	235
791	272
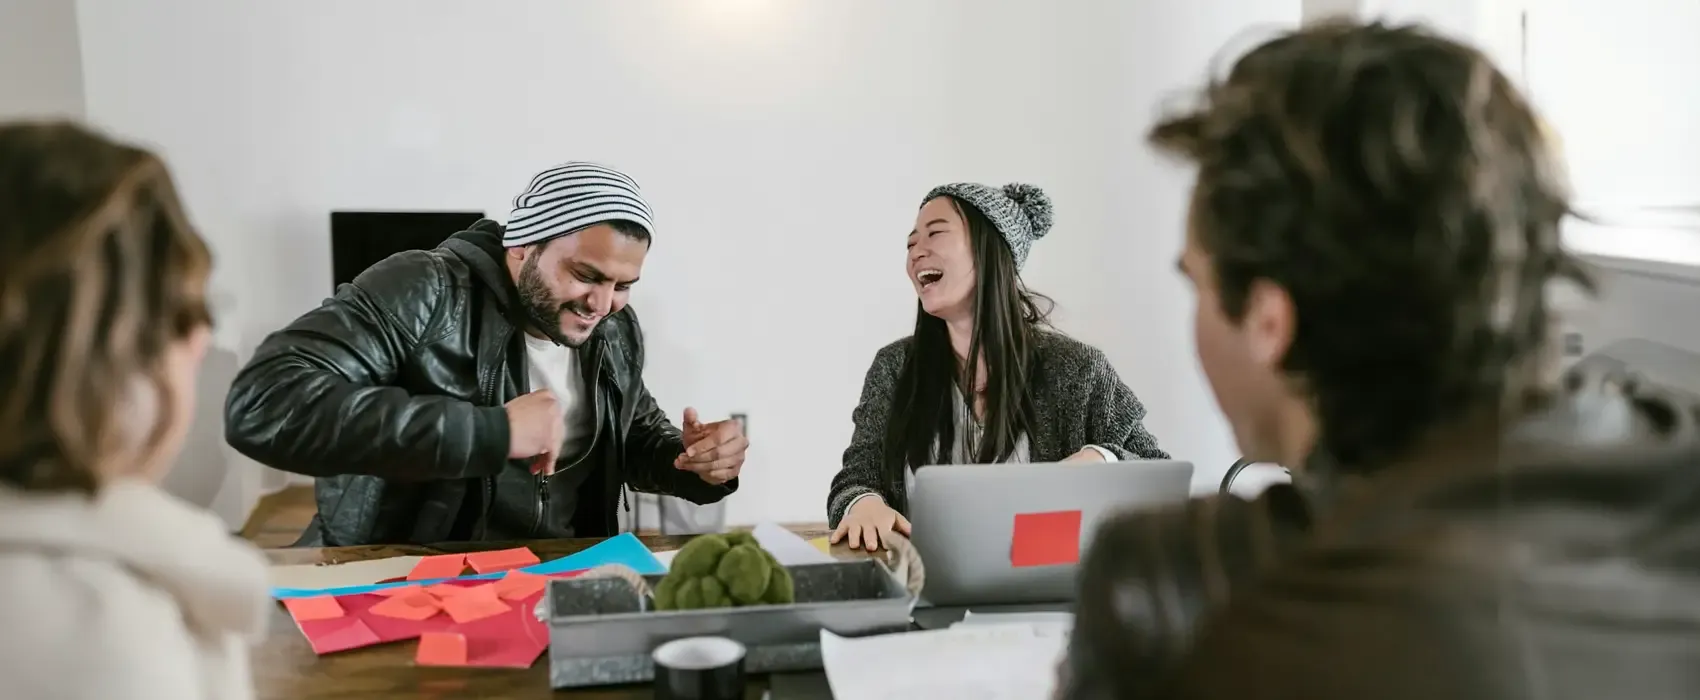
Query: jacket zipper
592	391
612	522
542	503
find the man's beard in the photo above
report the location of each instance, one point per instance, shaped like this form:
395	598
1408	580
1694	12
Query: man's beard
541	306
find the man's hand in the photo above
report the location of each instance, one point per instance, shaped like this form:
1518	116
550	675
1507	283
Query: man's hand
1086	454
536	429
715	451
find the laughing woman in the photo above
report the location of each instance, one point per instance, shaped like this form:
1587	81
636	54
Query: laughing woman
1031	395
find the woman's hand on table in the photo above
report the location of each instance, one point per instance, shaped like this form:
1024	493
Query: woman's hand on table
868	523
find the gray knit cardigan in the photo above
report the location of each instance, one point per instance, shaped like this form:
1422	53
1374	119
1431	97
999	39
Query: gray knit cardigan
1077	401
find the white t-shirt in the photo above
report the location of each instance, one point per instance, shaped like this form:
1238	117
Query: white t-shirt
556	368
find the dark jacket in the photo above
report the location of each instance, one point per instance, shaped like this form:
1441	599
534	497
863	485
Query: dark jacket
1077	401
1445	576
391	393
1570	575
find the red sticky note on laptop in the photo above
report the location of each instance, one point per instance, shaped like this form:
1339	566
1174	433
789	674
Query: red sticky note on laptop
1045	539
501	560
439	566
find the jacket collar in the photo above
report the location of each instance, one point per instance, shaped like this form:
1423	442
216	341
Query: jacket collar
219	581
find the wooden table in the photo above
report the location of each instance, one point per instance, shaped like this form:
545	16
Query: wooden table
285	667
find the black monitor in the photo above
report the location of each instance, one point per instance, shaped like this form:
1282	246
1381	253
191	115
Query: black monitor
361	238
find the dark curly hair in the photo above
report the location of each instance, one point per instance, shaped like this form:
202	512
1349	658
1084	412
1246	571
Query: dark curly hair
1402	192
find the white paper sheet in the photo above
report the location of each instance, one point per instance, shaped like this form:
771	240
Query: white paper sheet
982	662
787	546
353	573
1061	620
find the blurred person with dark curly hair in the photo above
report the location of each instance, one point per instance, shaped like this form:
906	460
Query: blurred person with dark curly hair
1373	238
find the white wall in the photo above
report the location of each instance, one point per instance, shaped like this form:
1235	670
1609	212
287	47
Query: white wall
1627	107
1615	82
784	144
41	72
1625	114
1161	57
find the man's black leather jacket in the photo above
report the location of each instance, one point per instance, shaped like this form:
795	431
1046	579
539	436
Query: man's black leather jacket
391	393
1550	561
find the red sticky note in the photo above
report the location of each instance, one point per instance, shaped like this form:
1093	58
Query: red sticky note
319	607
518	585
441	649
1045	539
352	635
474	603
501	560
417	606
439	566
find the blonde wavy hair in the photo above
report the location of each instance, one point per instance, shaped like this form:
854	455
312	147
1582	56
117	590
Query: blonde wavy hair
100	272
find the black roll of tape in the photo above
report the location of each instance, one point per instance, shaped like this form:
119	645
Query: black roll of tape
699	668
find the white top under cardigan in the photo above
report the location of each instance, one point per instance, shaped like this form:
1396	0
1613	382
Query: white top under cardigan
967	425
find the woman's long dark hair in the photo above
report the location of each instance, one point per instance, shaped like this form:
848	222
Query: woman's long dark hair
1007	317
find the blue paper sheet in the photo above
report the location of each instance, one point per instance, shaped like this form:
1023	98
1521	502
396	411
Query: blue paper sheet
624	548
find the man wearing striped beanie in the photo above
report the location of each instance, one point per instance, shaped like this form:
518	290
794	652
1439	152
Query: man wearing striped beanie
489	389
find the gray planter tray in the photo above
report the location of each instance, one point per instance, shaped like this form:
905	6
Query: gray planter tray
601	631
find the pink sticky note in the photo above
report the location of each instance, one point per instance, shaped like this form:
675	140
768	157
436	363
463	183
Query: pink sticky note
518	585
439	566
501	560
418	606
352	634
474	603
320	607
441	649
1045	539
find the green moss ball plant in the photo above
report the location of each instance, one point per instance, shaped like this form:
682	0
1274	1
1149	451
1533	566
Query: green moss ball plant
723	571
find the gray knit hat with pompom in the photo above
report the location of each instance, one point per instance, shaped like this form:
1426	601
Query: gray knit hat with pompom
1021	212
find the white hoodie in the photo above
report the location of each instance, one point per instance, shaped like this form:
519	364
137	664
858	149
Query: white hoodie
133	594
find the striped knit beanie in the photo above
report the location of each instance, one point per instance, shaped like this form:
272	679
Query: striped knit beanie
1021	212
572	196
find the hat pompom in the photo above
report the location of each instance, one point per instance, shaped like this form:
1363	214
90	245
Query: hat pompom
1034	203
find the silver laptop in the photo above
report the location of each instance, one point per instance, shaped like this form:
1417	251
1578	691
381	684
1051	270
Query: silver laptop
963	519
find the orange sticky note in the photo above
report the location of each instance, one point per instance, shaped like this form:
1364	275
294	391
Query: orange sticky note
441	649
398	590
501	560
443	590
1045	539
439	566
319	607
417	606
518	585
474	603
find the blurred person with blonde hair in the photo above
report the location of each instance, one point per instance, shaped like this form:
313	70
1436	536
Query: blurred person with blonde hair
109	586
